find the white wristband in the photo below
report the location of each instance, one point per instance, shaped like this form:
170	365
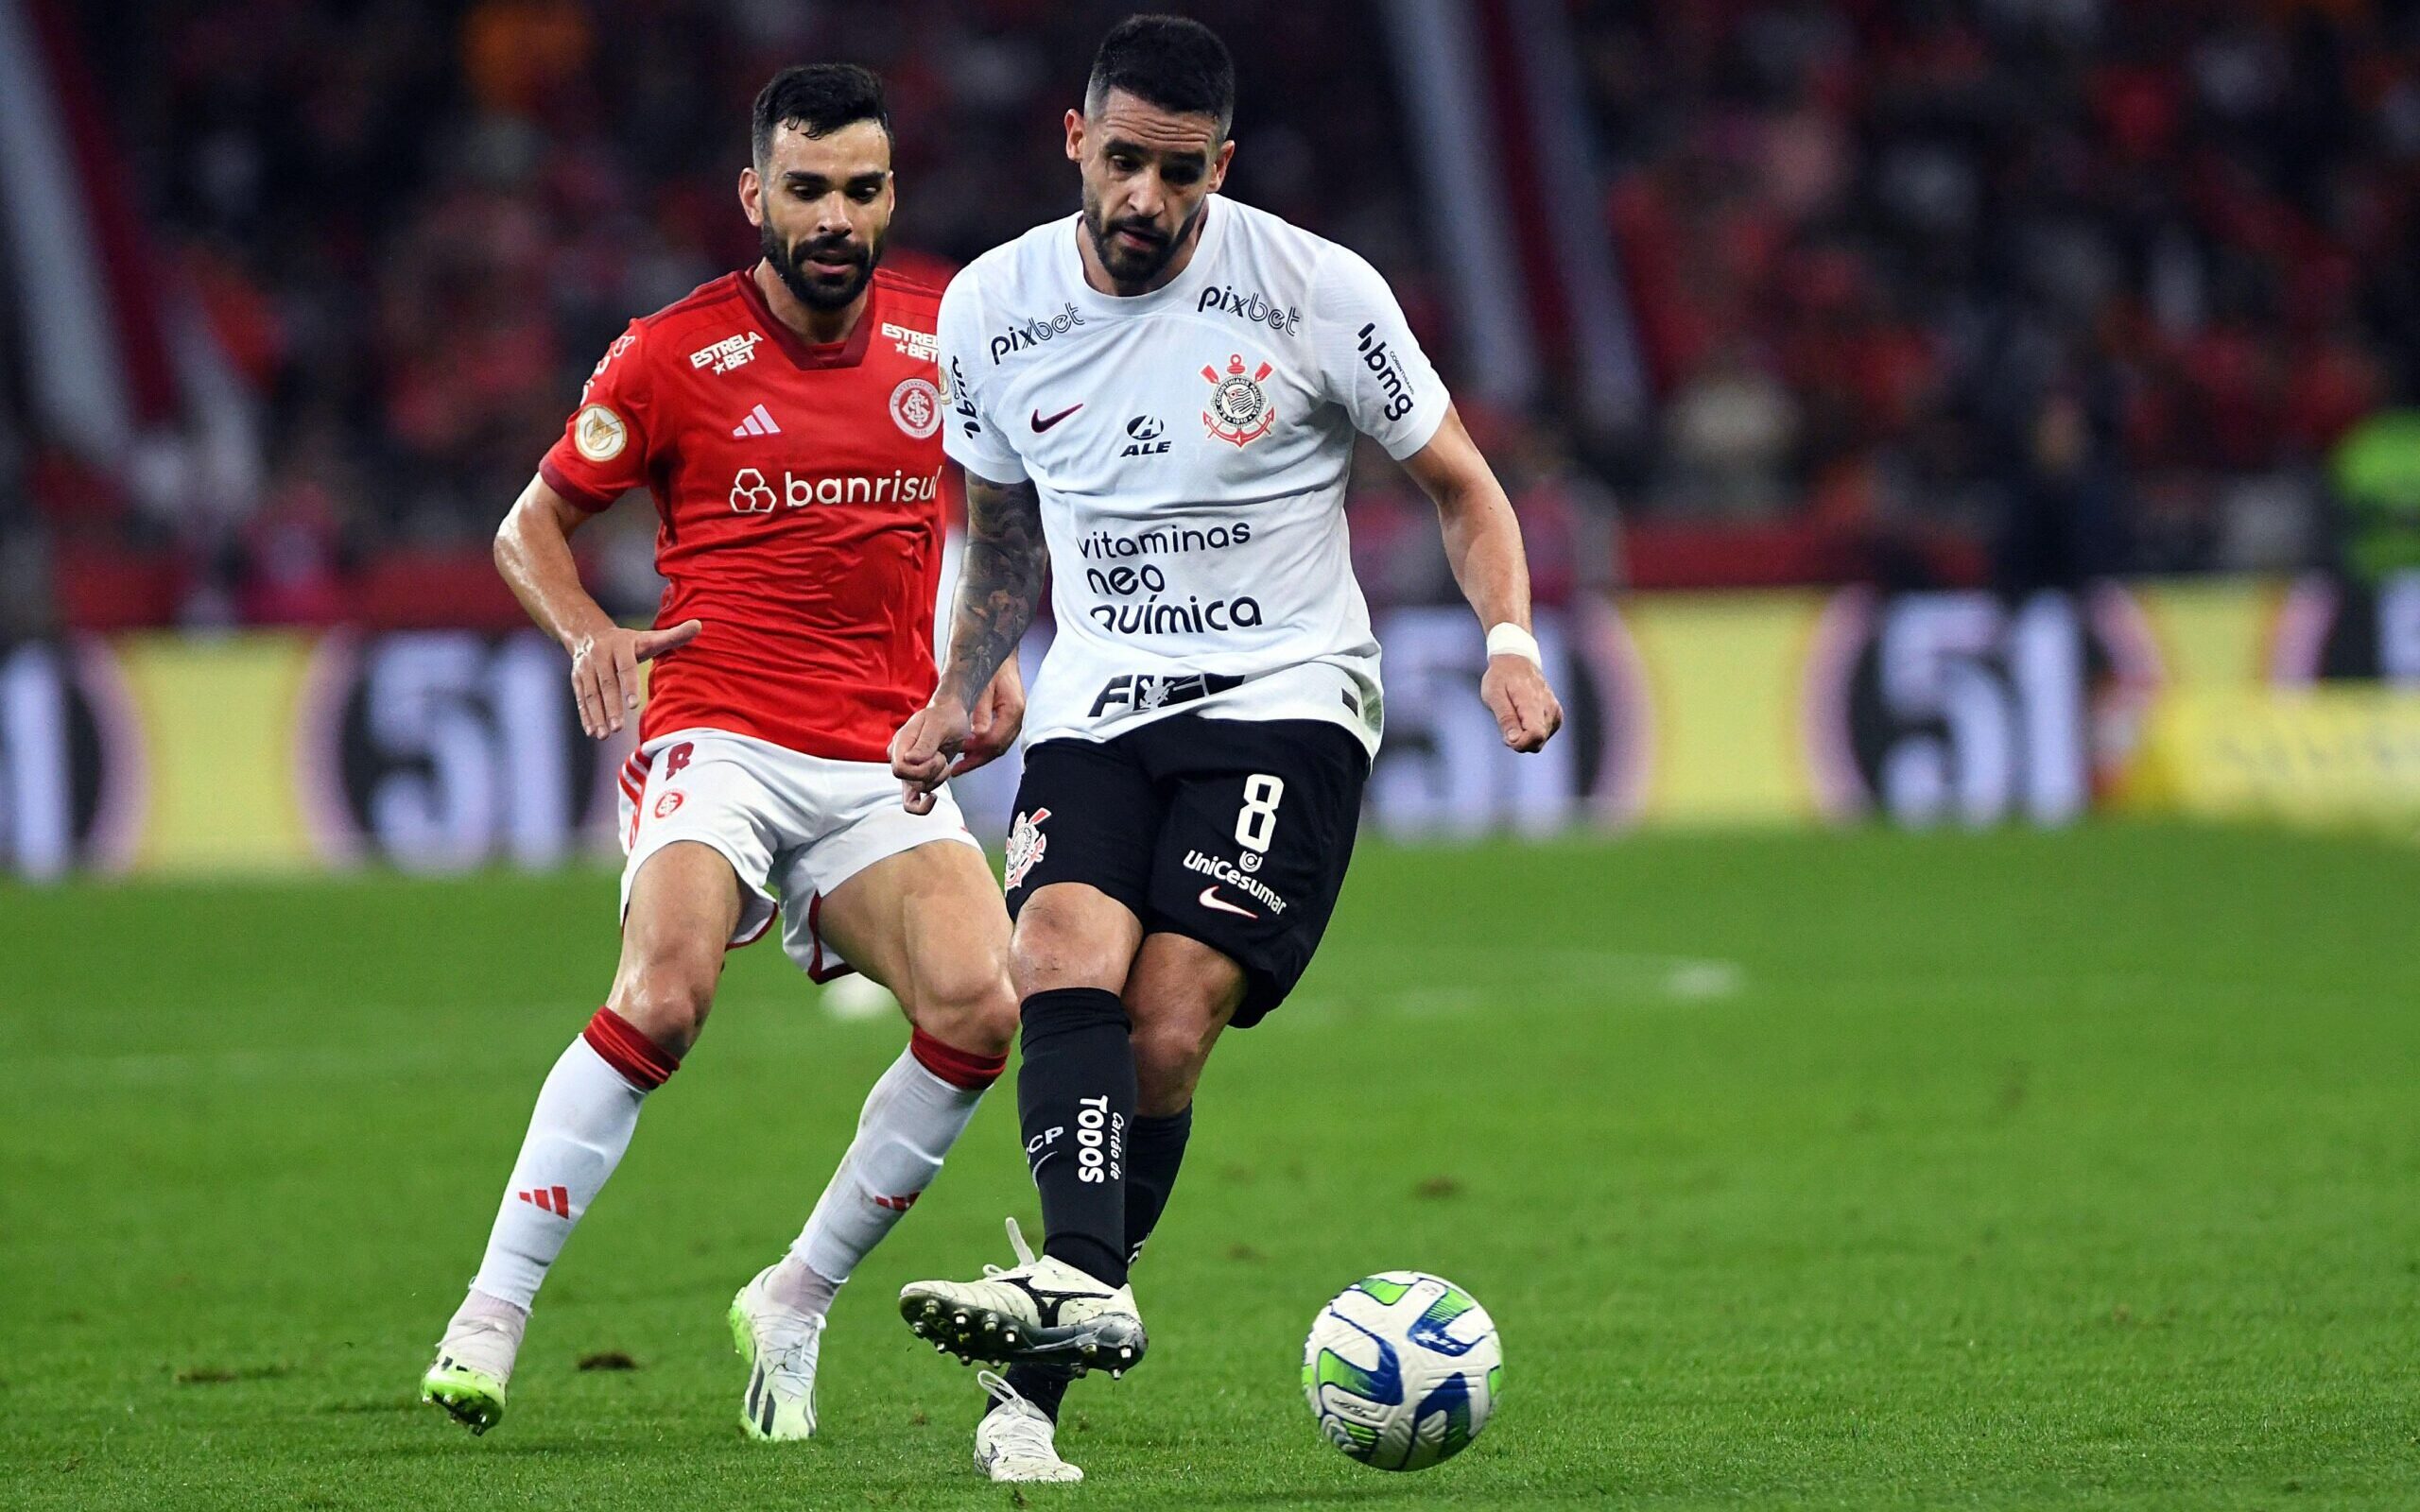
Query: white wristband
1509	638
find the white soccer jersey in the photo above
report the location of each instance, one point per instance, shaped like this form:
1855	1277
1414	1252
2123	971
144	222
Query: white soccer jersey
1190	447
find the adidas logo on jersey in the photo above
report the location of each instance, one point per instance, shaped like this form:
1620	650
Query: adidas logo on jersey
758	422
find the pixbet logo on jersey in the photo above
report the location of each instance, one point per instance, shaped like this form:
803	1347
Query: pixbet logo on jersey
1254	308
753	493
1034	333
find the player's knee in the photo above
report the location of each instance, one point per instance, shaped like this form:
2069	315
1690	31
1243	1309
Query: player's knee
666	997
1171	1049
1055	949
966	1002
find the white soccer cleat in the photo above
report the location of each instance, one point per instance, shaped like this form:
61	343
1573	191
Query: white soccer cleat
473	1368
1016	1440
780	1345
1038	1312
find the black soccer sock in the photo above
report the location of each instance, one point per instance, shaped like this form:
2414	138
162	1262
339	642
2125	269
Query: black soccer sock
1154	1150
1075	1101
1040	1384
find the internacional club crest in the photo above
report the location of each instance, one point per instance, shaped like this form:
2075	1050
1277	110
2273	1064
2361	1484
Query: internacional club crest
1239	410
916	407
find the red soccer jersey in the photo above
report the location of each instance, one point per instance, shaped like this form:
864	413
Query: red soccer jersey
796	488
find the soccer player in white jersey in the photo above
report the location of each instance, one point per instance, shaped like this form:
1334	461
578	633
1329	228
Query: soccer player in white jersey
1157	400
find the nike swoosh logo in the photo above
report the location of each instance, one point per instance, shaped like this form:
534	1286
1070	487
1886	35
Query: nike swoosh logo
1210	899
1040	424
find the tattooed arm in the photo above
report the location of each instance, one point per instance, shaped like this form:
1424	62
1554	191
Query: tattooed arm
979	703
999	586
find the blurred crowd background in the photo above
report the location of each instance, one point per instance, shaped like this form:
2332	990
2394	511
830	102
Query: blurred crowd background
2008	292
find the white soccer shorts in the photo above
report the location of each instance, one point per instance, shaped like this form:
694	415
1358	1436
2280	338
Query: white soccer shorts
794	827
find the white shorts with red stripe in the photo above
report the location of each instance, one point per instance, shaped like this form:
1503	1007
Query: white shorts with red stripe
794	827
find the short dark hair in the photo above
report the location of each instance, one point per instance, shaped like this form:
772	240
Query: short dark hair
823	98
1169	61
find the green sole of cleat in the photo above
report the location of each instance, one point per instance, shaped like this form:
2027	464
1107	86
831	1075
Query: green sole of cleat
477	1406
743	1338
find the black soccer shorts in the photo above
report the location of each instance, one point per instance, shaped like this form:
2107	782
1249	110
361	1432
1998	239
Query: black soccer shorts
1236	833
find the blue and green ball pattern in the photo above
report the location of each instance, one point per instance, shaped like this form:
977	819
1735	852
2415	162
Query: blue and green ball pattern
1402	1370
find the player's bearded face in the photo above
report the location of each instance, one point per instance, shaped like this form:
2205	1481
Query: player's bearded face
822	205
825	271
1149	174
1134	248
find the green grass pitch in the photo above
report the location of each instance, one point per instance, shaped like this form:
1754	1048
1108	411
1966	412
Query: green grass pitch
1866	1170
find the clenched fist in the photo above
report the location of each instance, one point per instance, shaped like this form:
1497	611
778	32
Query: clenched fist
1526	710
944	738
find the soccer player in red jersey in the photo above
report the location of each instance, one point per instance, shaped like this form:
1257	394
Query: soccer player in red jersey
787	420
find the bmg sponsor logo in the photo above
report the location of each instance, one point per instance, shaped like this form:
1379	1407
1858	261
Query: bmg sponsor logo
1391	382
1034	333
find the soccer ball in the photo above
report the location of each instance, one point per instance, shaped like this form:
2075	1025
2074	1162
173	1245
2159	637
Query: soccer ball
1402	1369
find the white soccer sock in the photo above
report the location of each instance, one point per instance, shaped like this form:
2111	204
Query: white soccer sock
585	1115
485	1334
912	1117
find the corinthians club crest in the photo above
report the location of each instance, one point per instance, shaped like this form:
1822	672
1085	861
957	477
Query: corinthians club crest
1239	410
1025	844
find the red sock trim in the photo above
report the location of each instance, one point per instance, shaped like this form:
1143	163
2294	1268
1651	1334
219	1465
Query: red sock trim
961	1069
642	1062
